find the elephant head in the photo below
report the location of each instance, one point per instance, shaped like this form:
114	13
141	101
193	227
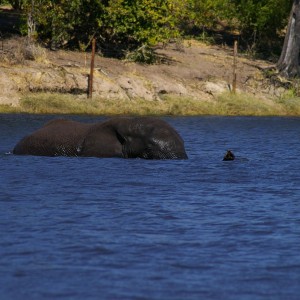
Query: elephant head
140	137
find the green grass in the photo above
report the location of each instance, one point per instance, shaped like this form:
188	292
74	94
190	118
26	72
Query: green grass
243	104
225	104
290	105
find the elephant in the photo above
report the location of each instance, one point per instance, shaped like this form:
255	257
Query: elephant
124	137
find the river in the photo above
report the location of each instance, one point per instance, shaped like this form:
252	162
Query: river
202	228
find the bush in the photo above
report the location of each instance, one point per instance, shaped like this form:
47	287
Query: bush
143	54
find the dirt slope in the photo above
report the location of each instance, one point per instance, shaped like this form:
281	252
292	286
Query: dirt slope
190	70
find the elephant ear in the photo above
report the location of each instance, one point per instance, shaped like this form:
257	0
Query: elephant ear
134	147
120	138
124	143
102	141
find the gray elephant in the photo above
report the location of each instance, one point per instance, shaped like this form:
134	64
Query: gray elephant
138	137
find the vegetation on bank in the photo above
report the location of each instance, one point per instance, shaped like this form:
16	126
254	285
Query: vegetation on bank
225	104
122	26
132	29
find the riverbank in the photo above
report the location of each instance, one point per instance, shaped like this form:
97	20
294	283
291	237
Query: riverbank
190	78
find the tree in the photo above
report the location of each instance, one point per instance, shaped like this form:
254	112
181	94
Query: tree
118	25
288	64
126	25
258	23
31	25
63	22
137	22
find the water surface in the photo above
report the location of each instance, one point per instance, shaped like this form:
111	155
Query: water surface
90	228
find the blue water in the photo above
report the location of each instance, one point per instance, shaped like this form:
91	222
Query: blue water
90	228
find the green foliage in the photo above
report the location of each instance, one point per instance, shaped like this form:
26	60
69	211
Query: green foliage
194	16
207	12
262	15
128	24
120	24
141	21
3	2
64	22
125	25
16	4
143	54
260	21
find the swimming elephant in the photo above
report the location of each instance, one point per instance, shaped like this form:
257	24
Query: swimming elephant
137	137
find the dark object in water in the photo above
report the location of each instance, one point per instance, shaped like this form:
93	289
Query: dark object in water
229	156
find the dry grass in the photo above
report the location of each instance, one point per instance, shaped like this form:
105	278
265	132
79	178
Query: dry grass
291	106
225	104
25	50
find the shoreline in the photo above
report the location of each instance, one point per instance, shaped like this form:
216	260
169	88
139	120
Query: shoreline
191	80
225	104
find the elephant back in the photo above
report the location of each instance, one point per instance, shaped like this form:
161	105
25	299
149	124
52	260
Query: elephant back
57	137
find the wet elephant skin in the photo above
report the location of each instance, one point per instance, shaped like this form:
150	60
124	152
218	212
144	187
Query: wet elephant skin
136	137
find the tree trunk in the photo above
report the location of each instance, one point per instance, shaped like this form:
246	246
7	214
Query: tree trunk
31	25
288	64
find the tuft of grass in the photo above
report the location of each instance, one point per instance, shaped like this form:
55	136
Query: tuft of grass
143	54
26	50
290	103
8	109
